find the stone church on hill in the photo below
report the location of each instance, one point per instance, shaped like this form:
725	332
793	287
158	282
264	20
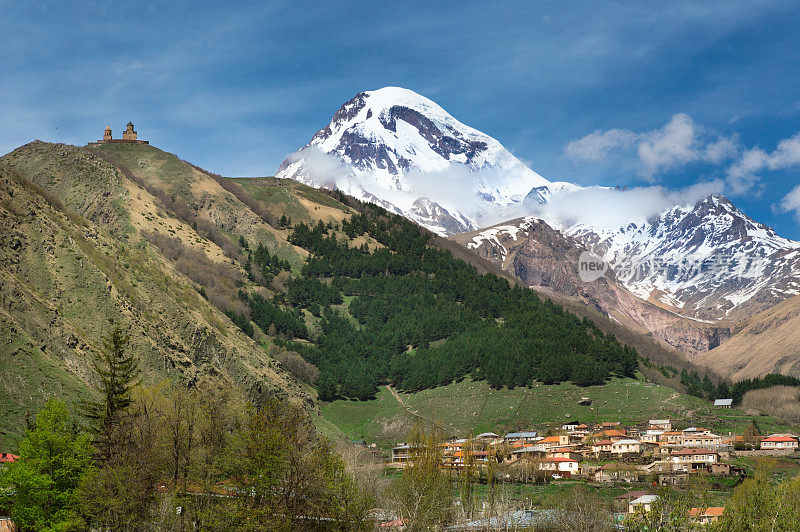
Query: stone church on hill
129	135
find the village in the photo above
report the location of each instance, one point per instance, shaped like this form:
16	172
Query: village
656	454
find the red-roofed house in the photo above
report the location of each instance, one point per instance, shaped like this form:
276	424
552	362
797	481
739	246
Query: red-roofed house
779	442
7	458
612	434
560	464
707	515
602	446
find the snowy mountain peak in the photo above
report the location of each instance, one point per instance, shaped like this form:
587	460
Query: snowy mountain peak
708	260
396	147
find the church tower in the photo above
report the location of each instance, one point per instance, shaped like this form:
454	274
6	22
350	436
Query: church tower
107	133
129	133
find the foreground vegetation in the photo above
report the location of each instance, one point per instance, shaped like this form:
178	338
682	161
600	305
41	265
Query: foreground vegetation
167	456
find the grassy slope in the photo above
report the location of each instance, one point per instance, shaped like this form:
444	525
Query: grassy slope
469	408
74	264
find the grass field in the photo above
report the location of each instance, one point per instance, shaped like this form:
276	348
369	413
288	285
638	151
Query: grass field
469	407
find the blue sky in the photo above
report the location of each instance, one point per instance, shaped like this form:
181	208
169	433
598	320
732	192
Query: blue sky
621	93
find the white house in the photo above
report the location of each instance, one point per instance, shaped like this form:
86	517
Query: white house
560	464
693	459
642	504
626	446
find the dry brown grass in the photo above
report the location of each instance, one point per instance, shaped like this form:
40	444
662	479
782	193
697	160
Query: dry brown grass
779	401
221	280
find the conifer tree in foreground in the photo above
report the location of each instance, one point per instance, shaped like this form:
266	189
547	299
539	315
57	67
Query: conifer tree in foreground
117	372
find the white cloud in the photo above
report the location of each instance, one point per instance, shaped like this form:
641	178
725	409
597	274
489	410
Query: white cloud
612	208
672	145
680	142
596	145
791	202
742	175
677	143
721	150
786	154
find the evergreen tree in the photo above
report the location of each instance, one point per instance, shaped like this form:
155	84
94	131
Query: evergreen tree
117	372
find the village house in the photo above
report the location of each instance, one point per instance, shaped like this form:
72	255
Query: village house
651	435
401	454
723	403
707	515
565	467
701	439
642	505
582	430
531	452
602	446
611	434
626	446
553	441
664	424
523	437
671	437
779	442
565	452
693	459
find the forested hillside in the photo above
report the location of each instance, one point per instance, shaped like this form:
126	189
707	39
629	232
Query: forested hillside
423	318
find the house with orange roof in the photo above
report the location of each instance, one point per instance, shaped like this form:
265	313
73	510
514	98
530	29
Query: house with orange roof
564	452
672	437
705	516
563	466
779	442
602	446
8	458
552	442
612	434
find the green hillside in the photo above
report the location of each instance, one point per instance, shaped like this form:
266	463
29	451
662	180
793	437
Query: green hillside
472	407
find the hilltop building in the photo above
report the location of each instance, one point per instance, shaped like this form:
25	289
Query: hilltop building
128	136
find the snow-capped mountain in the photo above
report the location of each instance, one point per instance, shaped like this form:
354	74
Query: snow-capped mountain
708	260
401	150
395	148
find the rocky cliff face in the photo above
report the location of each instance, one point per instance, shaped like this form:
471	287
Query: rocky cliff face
547	260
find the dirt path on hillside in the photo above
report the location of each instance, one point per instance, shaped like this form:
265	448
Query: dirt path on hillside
412	413
682	410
